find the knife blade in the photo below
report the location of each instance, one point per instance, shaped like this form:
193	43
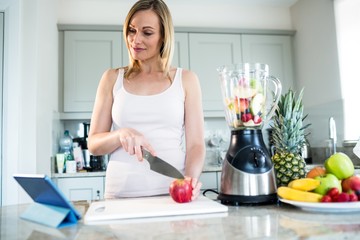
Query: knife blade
160	166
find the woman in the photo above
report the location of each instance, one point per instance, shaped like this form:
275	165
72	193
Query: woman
150	105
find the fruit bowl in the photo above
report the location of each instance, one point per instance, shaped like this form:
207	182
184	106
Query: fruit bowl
333	207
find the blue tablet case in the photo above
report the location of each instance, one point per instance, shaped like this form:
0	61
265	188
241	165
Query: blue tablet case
50	206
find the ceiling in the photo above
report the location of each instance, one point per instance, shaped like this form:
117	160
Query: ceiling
275	3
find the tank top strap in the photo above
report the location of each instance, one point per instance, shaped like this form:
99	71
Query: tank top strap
119	81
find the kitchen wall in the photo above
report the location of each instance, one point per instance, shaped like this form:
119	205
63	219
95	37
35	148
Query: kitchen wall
30	91
31	87
317	67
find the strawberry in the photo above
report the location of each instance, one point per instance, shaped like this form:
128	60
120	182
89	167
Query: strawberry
257	119
246	117
326	198
343	197
353	197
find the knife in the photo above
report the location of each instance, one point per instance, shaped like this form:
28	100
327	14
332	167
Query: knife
160	166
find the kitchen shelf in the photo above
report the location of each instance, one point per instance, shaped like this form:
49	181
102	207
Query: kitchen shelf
75	115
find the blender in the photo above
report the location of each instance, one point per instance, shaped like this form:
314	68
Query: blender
250	96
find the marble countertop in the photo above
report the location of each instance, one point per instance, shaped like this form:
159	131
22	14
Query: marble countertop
276	221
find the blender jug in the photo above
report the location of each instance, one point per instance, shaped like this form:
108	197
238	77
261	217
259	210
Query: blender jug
245	94
250	97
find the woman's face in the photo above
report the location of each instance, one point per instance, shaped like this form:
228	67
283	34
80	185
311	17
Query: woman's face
144	37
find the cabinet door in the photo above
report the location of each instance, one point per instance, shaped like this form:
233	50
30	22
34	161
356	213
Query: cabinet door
207	53
208	180
181	51
275	51
82	188
86	56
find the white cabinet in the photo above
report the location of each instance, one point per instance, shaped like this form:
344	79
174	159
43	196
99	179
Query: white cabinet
87	54
181	51
208	51
81	188
210	180
274	51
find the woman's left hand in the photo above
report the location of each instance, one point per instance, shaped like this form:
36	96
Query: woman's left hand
196	186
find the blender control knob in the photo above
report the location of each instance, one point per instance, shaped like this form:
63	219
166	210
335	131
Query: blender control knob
259	159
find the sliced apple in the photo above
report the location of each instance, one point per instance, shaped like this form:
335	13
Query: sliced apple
256	104
244	92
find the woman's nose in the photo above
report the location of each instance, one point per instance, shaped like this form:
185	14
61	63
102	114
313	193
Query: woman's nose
137	38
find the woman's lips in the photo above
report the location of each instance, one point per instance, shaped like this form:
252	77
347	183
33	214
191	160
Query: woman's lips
138	49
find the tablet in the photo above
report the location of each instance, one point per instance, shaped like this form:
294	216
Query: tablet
42	190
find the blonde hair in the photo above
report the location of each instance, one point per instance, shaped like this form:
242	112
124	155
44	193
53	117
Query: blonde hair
166	30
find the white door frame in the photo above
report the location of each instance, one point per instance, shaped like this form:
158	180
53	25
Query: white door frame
2	17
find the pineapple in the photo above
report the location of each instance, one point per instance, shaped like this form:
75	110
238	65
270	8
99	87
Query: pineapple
288	138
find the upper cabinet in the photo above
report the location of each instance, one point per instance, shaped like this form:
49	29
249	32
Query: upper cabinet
276	51
87	54
207	53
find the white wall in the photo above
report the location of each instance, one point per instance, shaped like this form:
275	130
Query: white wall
347	26
228	14
317	68
30	90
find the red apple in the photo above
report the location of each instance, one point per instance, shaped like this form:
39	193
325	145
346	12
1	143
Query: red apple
351	183
181	190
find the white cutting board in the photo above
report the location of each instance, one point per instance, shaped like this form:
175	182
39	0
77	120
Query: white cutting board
149	207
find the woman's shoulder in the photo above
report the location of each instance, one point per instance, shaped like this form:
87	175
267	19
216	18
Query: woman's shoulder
189	76
112	73
110	76
186	73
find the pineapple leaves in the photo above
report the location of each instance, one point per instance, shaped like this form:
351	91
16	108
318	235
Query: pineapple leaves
288	130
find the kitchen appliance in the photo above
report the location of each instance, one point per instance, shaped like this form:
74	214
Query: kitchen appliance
306	152
83	144
250	96
160	166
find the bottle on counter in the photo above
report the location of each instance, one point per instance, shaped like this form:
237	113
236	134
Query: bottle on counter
66	144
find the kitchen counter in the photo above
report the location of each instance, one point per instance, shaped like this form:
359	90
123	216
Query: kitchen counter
277	221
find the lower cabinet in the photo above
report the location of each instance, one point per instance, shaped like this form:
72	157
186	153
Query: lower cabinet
210	180
81	188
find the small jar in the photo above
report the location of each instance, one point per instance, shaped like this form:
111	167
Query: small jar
70	166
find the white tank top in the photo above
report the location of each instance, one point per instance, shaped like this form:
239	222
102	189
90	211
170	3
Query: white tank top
160	118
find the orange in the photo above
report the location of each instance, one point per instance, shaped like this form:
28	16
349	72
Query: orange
316	171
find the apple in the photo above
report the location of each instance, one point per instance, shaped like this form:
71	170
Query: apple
316	171
181	190
326	183
340	165
351	183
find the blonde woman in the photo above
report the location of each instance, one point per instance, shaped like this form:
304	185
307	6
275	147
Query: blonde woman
148	104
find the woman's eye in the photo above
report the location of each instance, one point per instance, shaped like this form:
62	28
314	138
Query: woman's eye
131	30
148	33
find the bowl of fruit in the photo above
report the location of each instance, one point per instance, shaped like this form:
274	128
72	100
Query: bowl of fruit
331	187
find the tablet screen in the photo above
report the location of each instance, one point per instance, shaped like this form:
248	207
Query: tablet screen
42	190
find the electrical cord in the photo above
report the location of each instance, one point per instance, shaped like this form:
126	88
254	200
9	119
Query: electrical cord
210	190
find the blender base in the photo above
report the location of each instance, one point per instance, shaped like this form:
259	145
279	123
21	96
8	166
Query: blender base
237	200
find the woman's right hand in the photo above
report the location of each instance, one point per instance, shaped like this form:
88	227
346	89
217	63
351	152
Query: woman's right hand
132	141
